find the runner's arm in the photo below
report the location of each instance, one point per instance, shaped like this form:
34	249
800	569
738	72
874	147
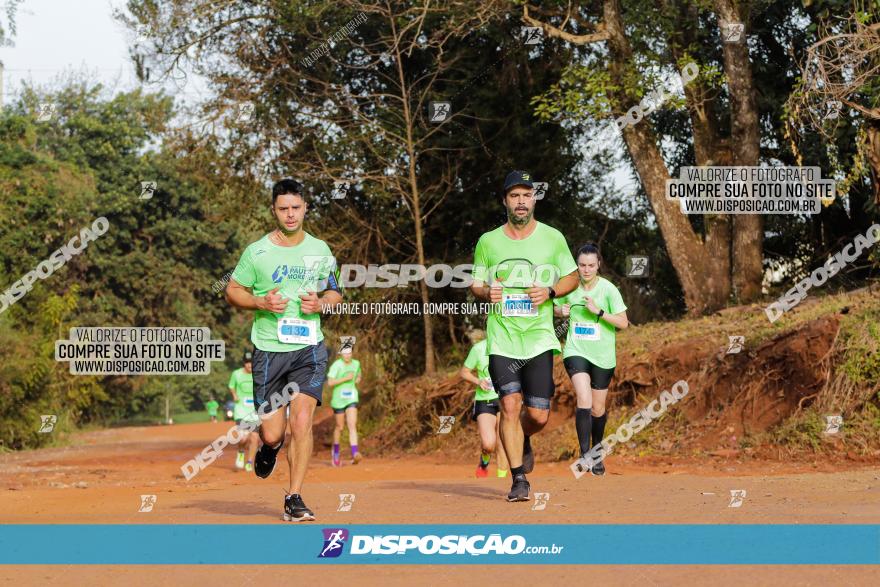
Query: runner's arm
468	375
566	284
483	292
241	297
234	397
619	321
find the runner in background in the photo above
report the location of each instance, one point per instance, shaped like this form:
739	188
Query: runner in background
343	377
486	406
595	310
212	406
241	387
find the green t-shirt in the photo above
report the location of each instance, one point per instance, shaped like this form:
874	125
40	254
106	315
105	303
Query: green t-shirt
478	358
294	270
212	406
346	392
541	258
586	338
243	384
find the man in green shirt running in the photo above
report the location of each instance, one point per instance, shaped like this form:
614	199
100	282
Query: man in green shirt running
486	407
212	406
517	267
286	278
241	388
343	377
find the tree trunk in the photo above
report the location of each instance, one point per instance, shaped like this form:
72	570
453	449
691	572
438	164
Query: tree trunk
748	229
872	154
430	364
703	268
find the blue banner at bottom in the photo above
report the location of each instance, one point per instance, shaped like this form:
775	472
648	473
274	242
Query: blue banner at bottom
656	544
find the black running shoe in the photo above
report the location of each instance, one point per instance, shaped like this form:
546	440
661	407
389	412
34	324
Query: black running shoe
528	459
520	489
598	468
295	509
264	463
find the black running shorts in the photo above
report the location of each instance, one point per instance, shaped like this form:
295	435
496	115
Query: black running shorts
342	409
486	406
600	378
272	372
533	378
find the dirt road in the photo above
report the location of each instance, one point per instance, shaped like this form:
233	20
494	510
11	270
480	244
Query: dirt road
101	476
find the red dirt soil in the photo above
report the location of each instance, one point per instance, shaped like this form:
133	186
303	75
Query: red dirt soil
101	476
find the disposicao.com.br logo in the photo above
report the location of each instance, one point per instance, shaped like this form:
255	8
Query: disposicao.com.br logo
451	544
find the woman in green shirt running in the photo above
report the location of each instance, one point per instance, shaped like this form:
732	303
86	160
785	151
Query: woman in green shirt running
595	310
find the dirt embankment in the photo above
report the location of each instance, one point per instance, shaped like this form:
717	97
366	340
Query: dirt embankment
737	400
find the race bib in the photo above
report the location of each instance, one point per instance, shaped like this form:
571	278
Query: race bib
347	393
586	331
513	304
248	401
297	331
491	386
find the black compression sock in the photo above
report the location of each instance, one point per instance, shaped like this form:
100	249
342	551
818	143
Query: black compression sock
514	471
599	428
584	426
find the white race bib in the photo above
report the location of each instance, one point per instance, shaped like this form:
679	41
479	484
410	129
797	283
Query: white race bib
513	304
248	401
347	393
585	331
297	331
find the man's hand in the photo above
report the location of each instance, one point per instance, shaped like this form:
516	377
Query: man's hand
310	303
538	294
272	302
495	292
486	384
349	377
566	310
591	305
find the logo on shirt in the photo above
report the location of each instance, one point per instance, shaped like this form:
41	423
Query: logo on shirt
295	272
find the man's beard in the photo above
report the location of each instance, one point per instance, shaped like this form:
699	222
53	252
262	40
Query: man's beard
286	231
514	219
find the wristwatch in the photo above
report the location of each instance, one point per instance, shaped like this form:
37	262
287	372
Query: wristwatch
552	292
600	314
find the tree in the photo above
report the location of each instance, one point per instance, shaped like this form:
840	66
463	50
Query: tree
727	258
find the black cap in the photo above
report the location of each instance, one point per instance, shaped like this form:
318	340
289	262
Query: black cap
248	357
515	178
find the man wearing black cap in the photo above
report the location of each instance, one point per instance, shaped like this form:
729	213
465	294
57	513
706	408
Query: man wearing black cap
517	267
241	387
287	278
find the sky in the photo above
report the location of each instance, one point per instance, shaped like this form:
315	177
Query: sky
55	38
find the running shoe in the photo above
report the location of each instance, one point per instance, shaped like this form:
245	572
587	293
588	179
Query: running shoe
598	468
519	491
249	466
239	460
356	458
295	509
335	461
528	458
501	473
265	461
482	471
